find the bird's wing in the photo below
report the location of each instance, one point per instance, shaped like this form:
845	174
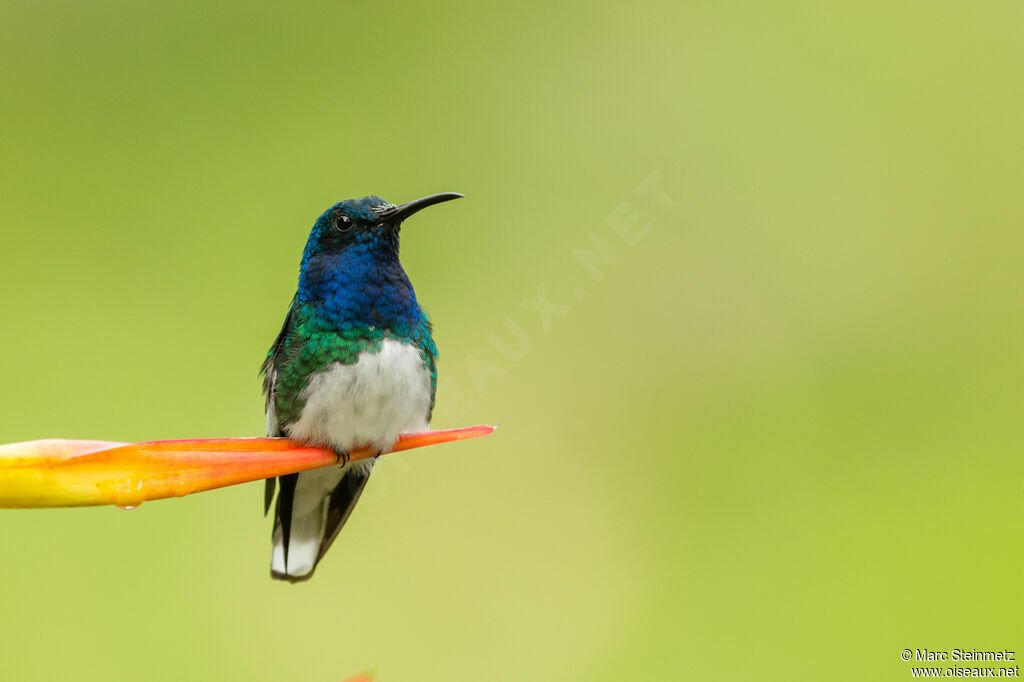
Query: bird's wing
425	341
269	371
269	368
341	503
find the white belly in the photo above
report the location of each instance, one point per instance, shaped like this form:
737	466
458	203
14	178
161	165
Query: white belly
367	403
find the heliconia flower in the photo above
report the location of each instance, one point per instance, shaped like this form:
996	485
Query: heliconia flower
76	473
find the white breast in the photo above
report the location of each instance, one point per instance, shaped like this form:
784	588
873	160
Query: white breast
366	403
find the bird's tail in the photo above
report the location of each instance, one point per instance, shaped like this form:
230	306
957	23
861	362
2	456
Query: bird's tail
311	509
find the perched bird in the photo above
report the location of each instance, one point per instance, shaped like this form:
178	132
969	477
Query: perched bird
354	365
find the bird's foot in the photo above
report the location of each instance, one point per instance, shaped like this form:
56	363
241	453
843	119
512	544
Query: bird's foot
342	457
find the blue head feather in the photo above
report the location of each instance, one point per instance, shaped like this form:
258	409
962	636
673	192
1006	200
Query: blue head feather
350	270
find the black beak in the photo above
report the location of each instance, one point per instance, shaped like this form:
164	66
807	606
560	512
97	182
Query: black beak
397	214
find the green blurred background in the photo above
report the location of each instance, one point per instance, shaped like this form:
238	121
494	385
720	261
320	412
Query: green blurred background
774	433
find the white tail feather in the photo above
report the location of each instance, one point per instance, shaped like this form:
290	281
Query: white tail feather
303	545
309	516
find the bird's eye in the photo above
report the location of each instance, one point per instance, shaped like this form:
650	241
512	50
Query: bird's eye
343	223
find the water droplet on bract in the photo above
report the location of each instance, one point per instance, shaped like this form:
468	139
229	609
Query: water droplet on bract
127	507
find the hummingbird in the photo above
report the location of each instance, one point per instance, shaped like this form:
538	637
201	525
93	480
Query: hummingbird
354	365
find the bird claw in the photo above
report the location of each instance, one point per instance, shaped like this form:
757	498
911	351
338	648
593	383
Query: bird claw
343	456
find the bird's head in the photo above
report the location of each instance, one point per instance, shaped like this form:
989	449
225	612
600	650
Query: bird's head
369	220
